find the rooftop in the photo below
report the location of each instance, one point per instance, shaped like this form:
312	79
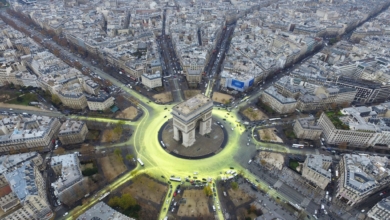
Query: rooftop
22	181
192	104
316	162
102	211
70	171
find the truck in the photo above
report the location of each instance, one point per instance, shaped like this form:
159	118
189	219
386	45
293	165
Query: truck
246	123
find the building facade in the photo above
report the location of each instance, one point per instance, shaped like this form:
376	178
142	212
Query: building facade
358	138
306	128
72	132
152	80
381	210
360	177
278	102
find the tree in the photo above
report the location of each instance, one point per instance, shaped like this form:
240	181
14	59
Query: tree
129	157
208	191
55	99
318	114
252	209
234	185
343	145
345	105
108	136
333	106
59	150
118	152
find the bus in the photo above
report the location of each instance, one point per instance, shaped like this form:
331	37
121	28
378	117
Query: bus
162	144
296	206
274	119
177	179
104	196
298	145
140	161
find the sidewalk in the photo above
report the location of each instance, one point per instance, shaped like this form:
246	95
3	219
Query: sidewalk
22	107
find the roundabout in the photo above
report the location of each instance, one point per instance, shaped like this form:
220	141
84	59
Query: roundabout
205	146
160	164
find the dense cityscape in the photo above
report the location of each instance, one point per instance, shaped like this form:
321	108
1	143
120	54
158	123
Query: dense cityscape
195	109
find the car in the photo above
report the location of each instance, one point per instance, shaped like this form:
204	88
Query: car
66	213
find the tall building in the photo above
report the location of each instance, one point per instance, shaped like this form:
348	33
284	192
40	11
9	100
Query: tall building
316	170
343	134
100	102
381	210
360	177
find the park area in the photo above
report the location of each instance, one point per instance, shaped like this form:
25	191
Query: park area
221	98
269	135
190	93
128	113
147	188
271	159
112	166
164	97
238	197
196	204
254	114
109	135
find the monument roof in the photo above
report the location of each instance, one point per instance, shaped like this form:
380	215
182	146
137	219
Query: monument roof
192	104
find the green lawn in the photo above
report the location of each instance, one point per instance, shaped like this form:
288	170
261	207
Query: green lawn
24	99
293	164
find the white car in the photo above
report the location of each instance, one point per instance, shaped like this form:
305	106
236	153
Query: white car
66	213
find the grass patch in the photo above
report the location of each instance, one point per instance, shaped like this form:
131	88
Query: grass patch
93	135
289	133
24	99
293	164
334	117
90	171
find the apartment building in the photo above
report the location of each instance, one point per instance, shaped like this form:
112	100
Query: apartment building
316	170
307	128
152	80
72	132
361	137
27	132
277	101
70	185
24	193
360	177
100	102
75	100
381	210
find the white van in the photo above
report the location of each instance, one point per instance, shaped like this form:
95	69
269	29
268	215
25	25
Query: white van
250	161
214	208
